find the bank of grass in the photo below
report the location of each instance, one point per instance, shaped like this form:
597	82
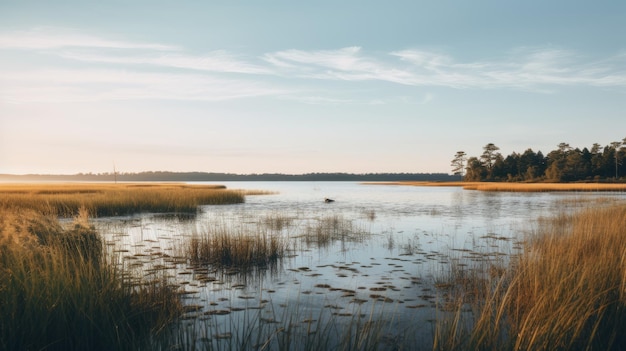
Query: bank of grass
519	187
59	292
566	291
59	289
110	199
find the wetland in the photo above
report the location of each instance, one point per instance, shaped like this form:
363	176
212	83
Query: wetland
272	265
326	273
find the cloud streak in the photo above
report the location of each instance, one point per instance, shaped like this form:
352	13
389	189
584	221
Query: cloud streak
524	69
217	61
118	69
54	38
72	85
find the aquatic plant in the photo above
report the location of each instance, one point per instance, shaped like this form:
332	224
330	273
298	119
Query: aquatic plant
328	229
243	248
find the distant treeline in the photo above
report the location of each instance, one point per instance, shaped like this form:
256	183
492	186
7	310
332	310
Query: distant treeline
219	177
565	164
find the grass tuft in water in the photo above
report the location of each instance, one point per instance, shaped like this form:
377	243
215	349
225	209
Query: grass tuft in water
224	246
326	230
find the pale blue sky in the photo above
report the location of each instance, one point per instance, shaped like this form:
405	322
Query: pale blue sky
283	86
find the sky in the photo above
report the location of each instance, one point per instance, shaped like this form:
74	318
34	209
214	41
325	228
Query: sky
298	87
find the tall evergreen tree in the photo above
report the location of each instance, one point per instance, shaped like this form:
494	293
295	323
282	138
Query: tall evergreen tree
489	157
458	163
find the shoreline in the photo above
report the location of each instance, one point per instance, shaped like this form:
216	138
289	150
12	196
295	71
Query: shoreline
518	187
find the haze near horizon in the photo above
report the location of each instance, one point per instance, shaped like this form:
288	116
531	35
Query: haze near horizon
283	87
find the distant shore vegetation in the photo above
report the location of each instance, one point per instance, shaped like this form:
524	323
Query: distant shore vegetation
165	176
564	164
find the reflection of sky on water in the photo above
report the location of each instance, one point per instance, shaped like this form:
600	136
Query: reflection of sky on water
415	234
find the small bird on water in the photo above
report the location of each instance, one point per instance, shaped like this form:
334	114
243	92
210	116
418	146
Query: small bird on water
328	200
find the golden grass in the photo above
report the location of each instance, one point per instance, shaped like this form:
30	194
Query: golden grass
520	187
225	247
109	199
566	291
324	231
58	292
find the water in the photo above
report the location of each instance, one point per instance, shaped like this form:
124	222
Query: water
407	241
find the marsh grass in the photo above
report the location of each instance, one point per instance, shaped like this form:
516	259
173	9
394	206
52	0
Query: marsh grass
58	292
106	199
522	187
566	291
224	246
292	327
265	242
545	187
328	229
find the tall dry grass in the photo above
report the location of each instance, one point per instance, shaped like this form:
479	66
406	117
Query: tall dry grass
520	187
58	292
545	187
107	199
324	231
567	291
224	246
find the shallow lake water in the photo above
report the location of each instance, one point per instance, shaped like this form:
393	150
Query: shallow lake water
395	244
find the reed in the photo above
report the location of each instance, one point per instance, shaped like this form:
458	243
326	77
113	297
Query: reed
293	326
106	199
566	291
58	292
224	246
324	231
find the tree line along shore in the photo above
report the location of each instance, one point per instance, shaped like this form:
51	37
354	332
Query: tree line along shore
564	164
165	176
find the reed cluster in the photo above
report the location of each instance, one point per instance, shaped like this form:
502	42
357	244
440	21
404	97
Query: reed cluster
566	291
58	292
108	199
224	246
324	231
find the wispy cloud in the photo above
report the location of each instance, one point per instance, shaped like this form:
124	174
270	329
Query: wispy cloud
343	64
216	61
56	38
528	69
123	69
70	85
